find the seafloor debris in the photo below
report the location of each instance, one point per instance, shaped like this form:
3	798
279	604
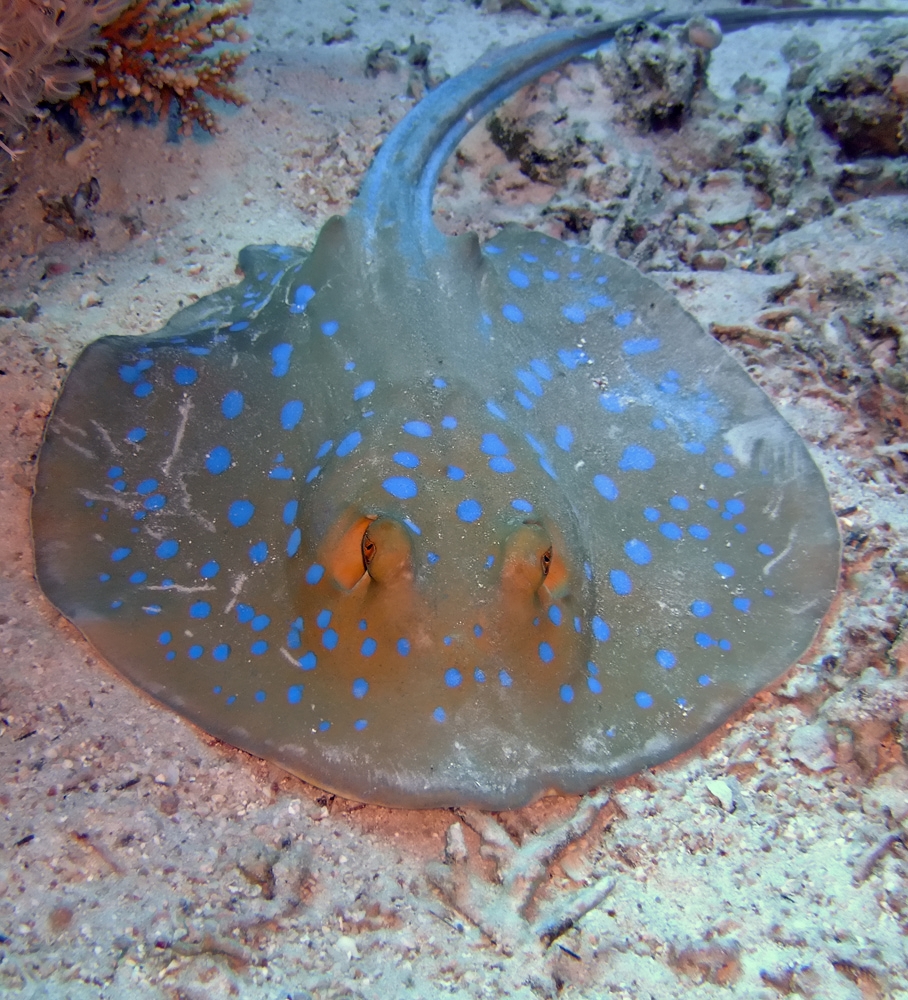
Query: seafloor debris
659	73
164	51
72	215
502	909
863	105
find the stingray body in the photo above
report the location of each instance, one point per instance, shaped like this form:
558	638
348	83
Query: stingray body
430	523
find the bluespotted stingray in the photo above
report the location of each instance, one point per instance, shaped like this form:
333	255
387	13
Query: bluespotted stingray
433	523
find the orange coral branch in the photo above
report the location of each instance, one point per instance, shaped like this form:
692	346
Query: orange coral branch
156	54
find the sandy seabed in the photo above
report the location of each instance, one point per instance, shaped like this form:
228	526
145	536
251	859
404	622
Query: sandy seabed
142	858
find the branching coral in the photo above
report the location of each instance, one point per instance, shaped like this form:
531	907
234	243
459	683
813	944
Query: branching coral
156	54
45	48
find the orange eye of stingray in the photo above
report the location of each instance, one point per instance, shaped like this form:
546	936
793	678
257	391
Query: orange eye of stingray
546	561
368	550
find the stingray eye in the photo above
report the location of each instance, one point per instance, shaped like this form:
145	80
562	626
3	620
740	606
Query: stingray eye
545	561
368	550
387	552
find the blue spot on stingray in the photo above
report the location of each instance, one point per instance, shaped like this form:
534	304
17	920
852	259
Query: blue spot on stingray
492	250
291	414
496	410
136	435
280	355
695	447
452	677
221	652
493	445
524	506
368	647
403	647
638	552
308	661
295	694
194	652
240	512
314	573
600	629
555	616
764	549
201	609
209	570
165	637
541	368
643	699
406	458
167	549
147	486
735	506
323	619
363	389
155	502
651	514
605	487
703	640
551	275
114	471
412	526
302	296
547	468
698	531
704	680
402	487
546	653
741	604
624	319
258	647
567	693
621	582
640	345
724	469
574	314
637	457
244	613
504	678
518	278
666	659
564	437
330	327
701	609
724	569
599	301
469	510
259	552
184	375
138	577
611	403
218	460
455	473
143	389
449	423
511	313
679	503
418	428
479	676
324	448
293	542
439	714
329	638
501	464
351	441
232	404
573	358
118	555
594	685
530	382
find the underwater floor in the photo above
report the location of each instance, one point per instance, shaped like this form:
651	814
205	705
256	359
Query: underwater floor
142	858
